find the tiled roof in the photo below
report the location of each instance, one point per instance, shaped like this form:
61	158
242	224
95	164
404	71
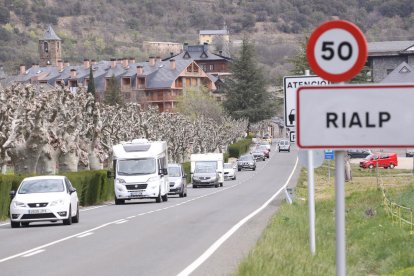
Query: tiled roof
50	34
214	32
389	46
404	73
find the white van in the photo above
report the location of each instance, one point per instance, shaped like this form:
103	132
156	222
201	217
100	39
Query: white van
140	170
207	169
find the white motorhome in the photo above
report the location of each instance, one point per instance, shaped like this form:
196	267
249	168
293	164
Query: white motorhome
140	170
207	169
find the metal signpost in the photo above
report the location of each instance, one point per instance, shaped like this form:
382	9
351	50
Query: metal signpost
336	51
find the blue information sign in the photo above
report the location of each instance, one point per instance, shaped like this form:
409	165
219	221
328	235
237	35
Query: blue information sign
329	154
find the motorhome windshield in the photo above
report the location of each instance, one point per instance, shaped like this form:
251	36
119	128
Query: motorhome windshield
136	166
205	167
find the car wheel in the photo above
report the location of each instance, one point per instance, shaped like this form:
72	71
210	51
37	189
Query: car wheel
68	221
119	201
392	166
234	178
75	219
158	199
15	224
371	166
221	184
164	197
239	169
254	168
25	223
182	193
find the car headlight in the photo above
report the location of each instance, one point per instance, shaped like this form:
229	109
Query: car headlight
57	202
120	180
251	163
19	204
153	182
195	178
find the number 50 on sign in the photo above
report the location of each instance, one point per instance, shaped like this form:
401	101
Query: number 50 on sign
337	50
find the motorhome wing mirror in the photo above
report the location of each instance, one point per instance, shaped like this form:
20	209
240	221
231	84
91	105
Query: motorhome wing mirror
109	174
163	171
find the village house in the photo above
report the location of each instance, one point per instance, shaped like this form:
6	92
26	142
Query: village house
154	82
384	57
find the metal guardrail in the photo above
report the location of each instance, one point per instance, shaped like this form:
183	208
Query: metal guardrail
401	215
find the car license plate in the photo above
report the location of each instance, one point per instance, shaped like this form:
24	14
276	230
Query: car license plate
38	211
136	193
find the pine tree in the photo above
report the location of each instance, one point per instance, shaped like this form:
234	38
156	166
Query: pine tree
246	96
91	83
113	93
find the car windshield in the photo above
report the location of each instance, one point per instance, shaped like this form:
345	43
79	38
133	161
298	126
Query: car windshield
262	148
205	167
174	171
136	166
228	166
42	186
245	158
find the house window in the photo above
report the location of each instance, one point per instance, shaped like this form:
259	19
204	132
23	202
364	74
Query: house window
203	67
46	47
389	71
211	67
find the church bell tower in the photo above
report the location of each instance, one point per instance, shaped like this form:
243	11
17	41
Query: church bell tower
50	50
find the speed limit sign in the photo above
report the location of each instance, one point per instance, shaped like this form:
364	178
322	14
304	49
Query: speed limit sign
337	50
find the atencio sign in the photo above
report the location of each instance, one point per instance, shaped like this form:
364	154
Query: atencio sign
355	116
337	50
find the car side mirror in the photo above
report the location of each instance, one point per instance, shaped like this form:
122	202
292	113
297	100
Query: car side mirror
12	194
184	175
109	174
72	190
164	171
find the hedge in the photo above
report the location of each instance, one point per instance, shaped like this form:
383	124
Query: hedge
93	187
240	147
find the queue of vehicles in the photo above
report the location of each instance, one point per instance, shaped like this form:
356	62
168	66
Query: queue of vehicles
140	171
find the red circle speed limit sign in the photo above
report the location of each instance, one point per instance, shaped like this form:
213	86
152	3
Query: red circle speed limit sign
337	50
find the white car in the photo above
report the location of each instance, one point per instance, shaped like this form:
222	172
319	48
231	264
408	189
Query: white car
230	171
44	198
284	145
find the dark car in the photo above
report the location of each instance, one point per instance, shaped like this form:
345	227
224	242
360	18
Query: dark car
358	153
246	162
258	154
409	153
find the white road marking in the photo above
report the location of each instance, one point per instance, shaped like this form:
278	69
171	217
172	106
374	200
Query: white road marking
200	260
33	253
85	235
94	207
130	217
121	221
56	242
30	251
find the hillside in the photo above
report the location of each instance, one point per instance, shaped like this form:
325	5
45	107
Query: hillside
101	29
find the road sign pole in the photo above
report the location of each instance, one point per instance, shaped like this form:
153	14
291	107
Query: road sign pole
340	212
311	202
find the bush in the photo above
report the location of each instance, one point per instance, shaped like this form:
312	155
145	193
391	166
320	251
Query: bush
240	147
93	187
187	170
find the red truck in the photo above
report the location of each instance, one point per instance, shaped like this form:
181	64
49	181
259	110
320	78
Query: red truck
380	159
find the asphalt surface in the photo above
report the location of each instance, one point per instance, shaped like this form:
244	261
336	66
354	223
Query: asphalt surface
206	233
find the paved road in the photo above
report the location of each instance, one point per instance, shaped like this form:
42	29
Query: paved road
146	238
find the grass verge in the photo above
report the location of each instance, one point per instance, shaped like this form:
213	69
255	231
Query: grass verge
375	246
